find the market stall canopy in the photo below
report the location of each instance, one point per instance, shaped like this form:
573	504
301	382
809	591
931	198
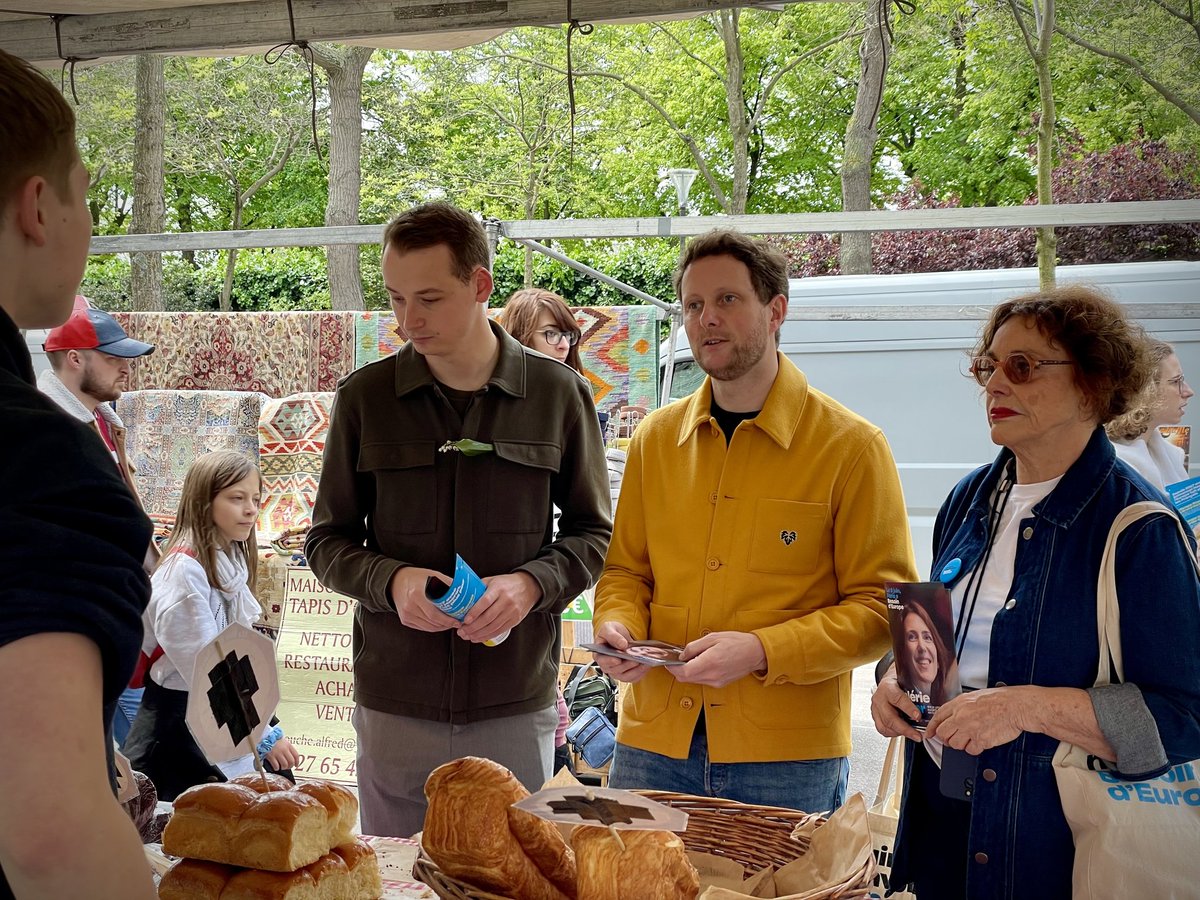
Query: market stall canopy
51	31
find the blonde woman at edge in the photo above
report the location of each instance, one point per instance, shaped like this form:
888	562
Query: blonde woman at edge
1163	402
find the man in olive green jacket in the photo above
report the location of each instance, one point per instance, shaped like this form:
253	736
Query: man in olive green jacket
398	501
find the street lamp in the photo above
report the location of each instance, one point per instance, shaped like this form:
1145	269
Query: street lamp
681	180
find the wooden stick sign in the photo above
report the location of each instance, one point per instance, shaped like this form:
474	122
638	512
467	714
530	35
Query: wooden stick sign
234	693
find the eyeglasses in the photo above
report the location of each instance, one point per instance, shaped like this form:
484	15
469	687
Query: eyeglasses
1018	368
554	337
1179	383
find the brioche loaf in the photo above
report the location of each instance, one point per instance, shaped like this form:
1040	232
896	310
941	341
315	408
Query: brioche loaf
652	866
340	803
350	872
230	823
365	881
472	833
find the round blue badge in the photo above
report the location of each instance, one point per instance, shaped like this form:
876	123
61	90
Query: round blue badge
950	570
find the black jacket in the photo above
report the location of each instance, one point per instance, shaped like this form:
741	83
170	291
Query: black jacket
72	537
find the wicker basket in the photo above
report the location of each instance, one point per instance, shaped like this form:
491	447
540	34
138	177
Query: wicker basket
755	836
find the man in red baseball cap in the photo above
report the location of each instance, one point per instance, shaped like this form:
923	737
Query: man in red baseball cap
91	357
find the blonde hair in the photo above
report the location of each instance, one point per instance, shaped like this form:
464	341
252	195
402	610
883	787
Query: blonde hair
1136	422
194	525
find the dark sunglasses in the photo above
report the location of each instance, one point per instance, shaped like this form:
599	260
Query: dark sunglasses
1018	368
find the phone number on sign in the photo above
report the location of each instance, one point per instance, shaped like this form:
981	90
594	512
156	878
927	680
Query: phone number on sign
324	765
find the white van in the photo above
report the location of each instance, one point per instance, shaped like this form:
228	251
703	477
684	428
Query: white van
907	376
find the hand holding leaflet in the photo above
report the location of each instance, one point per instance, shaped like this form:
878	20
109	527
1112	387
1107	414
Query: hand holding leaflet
463	593
648	653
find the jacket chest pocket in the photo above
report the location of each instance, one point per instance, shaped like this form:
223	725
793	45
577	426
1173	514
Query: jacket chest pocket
519	490
787	536
405	485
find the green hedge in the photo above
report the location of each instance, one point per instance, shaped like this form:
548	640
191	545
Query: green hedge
295	278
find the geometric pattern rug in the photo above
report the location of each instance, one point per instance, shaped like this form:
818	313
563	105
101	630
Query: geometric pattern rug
618	349
167	430
291	441
275	353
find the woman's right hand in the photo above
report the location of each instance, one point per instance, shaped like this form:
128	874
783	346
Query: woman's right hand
890	705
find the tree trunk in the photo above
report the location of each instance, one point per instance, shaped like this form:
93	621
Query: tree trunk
146	283
861	135
735	104
344	66
231	255
1038	45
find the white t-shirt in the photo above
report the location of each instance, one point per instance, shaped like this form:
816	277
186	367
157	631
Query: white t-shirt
997	578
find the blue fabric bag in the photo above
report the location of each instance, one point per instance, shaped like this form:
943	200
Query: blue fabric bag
593	737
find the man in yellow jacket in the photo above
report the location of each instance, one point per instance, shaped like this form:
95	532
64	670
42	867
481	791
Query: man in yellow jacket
757	523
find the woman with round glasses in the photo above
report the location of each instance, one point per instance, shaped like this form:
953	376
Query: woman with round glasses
1163	402
542	320
1018	544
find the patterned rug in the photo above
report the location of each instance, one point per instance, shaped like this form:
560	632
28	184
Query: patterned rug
619	349
291	441
274	353
169	429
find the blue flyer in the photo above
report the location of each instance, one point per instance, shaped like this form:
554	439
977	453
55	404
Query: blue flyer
462	594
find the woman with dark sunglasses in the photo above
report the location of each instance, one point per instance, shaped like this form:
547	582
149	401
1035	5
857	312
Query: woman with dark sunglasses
1018	544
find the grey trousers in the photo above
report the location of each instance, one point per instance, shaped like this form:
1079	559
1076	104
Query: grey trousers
396	755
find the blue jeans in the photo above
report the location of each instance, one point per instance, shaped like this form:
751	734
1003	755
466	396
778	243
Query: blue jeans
126	711
811	785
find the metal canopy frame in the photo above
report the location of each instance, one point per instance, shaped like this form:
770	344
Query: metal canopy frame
95	29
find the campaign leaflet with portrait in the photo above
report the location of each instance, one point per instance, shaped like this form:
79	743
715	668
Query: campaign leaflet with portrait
648	653
922	626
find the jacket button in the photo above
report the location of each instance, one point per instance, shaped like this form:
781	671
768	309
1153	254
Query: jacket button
1000	684
713	564
989	774
687	703
704	631
712	498
981	858
1028	532
1010	604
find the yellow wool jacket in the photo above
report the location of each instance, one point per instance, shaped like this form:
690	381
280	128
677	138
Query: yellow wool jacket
789	533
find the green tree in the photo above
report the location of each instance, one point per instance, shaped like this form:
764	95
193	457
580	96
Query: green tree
236	123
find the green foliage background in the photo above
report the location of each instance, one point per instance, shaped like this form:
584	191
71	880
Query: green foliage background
491	128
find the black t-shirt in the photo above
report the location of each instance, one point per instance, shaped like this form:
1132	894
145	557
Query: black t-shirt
72	537
729	421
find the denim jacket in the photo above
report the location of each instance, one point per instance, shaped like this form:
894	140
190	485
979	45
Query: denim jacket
1019	843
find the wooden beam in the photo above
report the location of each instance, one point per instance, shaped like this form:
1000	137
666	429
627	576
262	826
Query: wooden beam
1059	215
256	23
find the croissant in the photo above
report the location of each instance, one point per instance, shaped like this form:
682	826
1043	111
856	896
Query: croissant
652	866
472	833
